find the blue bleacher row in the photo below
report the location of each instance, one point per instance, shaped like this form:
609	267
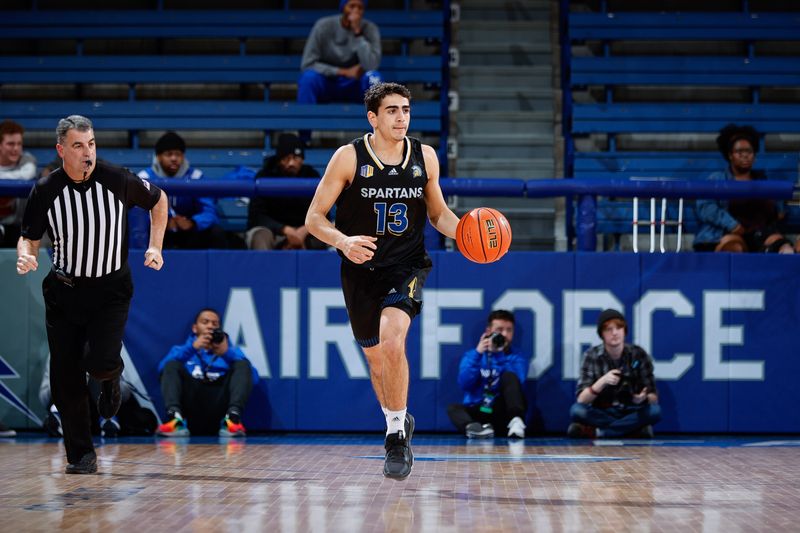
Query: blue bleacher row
207	24
609	72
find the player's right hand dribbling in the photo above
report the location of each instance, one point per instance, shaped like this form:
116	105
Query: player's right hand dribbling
359	248
26	263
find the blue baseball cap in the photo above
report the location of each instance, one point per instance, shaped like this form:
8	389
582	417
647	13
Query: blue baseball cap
343	3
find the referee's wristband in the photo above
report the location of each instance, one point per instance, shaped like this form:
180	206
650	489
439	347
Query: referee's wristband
591	389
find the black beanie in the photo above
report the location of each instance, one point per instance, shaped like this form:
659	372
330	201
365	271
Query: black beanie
170	141
290	144
607	315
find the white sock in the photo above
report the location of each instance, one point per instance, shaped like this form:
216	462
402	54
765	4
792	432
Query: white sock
385	411
395	421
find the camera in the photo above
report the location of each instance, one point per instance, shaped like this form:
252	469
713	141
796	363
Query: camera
217	336
498	340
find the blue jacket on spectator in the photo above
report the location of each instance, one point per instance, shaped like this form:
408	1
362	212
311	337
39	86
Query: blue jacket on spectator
713	214
202	210
494	364
203	363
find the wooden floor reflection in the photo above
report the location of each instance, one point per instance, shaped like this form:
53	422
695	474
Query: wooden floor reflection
335	483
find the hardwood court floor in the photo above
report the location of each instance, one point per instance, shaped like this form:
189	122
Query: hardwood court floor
334	483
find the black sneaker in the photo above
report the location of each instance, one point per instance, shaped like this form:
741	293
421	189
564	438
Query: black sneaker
580	431
476	430
109	428
110	398
409	427
399	458
87	465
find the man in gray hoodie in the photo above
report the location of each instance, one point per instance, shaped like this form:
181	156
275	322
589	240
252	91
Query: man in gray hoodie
341	57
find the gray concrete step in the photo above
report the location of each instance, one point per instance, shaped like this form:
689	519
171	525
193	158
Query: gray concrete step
505	76
506	99
530	122
505	5
504	53
520	168
504	31
502	145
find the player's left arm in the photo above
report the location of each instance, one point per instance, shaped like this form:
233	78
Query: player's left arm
441	217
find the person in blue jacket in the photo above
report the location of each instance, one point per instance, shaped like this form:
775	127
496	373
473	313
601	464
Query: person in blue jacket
491	376
193	221
205	380
740	224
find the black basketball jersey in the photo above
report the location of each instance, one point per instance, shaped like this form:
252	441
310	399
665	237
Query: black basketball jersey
387	202
87	221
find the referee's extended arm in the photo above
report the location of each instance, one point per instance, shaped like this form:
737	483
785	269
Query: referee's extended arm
158	224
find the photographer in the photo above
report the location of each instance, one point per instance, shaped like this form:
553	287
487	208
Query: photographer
491	376
205	380
616	393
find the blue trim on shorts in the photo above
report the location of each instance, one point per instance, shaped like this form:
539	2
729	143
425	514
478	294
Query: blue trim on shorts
368	343
393	298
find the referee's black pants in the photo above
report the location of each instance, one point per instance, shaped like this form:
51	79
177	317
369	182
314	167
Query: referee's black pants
85	324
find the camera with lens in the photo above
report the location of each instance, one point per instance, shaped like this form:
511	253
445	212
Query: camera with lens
498	340
217	336
626	388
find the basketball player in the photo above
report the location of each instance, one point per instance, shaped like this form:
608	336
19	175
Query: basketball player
383	184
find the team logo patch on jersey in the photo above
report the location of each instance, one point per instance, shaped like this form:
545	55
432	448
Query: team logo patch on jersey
146	183
416	171
393	172
367	171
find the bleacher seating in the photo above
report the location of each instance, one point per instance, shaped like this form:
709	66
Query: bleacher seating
209	115
612	115
175	69
242	24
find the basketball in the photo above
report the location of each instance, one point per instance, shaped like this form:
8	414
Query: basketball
483	235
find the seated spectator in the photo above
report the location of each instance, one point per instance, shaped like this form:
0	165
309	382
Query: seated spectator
616	392
740	225
15	164
193	222
133	418
279	223
341	57
491	376
204	381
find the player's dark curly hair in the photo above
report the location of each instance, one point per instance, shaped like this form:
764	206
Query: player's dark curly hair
732	133
376	93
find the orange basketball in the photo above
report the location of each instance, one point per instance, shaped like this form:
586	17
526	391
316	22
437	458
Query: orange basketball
483	235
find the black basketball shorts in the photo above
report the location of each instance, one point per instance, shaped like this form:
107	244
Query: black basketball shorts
368	291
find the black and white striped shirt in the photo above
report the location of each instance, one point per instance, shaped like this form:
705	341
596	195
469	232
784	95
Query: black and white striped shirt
88	221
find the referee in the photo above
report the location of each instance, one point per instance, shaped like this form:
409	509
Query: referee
83	206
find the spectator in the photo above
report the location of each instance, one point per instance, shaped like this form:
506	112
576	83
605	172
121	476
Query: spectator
491	375
740	225
134	416
341	57
280	222
207	379
616	393
193	222
15	164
